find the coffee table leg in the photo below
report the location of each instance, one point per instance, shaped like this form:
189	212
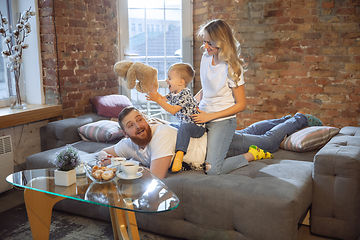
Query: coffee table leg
131	221
39	207
124	223
118	223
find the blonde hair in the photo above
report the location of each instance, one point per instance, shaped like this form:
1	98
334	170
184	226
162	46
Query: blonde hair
185	71
229	48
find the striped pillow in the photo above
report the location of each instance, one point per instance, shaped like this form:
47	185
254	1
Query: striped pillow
308	139
100	131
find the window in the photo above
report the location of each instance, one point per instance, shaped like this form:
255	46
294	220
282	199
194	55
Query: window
167	39
5	87
133	27
31	60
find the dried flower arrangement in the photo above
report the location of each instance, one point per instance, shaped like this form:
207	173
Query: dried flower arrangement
15	43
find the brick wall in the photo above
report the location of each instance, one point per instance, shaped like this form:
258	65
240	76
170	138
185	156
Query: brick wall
78	49
302	55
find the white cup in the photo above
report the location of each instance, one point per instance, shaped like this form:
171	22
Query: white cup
115	161
131	168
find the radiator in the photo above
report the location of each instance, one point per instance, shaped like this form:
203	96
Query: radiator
6	162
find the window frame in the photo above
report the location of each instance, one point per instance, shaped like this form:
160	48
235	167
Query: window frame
187	38
31	57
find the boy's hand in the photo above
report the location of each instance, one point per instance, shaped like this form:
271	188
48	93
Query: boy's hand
153	96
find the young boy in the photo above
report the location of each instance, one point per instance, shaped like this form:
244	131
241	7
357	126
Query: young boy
182	105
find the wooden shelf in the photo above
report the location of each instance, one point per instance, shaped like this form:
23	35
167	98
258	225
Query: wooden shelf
13	117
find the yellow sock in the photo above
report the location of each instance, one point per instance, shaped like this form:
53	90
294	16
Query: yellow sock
177	164
258	153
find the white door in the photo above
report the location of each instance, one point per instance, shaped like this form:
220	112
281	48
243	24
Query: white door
157	33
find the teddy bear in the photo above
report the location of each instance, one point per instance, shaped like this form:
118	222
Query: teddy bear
145	74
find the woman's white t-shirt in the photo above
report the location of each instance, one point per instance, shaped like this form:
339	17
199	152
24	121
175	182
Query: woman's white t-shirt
216	85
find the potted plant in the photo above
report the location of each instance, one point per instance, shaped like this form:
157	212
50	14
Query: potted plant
66	161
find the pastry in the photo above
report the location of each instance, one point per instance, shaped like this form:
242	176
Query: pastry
94	168
107	175
97	174
103	173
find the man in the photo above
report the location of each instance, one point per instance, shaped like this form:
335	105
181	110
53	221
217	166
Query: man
152	145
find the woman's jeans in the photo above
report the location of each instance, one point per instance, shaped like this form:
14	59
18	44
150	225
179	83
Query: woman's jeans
224	155
267	134
220	135
185	131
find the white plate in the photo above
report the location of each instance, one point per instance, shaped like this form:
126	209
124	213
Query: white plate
122	175
80	170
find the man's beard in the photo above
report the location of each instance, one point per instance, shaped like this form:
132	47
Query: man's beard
142	141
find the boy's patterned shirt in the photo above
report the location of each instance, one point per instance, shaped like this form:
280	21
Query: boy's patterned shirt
188	105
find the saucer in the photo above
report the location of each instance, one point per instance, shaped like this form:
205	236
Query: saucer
80	170
116	165
122	175
115	161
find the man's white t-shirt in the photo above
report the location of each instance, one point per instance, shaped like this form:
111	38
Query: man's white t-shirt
162	144
216	85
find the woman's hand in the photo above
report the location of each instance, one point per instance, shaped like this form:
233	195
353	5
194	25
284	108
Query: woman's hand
240	105
202	117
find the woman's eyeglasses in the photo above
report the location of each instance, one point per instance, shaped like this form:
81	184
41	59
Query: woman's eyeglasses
209	44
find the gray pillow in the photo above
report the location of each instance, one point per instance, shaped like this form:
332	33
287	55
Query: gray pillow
308	139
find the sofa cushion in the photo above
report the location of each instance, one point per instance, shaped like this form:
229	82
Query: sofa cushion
336	192
299	156
62	132
264	200
110	105
308	139
45	159
100	131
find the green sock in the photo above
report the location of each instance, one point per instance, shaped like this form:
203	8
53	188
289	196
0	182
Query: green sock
312	120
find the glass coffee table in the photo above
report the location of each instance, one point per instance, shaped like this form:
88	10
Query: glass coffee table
145	194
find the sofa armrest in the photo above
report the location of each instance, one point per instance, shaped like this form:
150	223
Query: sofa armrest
335	210
59	133
62	132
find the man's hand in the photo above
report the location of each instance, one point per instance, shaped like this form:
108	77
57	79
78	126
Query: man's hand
104	155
